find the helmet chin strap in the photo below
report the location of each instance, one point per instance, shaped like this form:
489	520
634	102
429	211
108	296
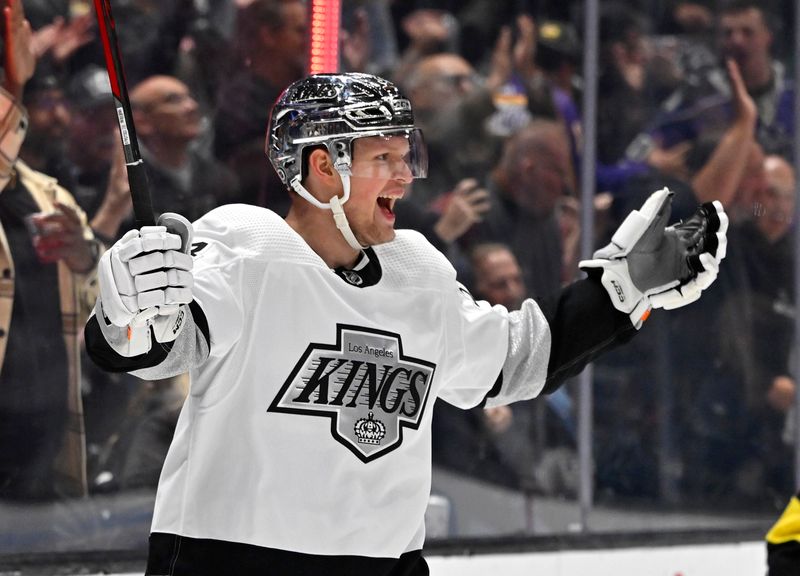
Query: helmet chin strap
335	205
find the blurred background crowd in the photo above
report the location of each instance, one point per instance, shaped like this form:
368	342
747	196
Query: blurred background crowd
693	94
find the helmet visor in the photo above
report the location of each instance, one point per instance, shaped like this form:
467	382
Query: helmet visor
397	155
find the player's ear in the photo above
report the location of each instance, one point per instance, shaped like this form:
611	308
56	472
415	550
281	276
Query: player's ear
320	164
323	180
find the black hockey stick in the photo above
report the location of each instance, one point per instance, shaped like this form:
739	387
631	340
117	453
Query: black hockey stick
137	177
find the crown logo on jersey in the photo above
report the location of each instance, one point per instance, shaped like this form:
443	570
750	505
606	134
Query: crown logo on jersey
369	431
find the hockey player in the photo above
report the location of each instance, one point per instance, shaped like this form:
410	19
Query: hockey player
783	541
318	344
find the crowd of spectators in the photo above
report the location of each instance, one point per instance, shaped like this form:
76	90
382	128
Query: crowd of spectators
693	95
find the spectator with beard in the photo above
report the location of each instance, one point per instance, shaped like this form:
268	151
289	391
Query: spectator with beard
49	123
456	104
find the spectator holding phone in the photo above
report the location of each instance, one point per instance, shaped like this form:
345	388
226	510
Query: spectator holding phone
47	257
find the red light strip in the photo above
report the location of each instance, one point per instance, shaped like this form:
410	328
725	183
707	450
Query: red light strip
324	46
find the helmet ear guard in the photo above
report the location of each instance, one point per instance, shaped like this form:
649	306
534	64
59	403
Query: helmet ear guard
342	154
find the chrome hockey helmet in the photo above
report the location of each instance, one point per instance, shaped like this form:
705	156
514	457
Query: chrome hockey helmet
332	110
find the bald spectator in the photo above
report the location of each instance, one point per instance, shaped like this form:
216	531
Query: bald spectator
497	275
168	122
528	185
453	103
775	205
452	106
734	411
438	82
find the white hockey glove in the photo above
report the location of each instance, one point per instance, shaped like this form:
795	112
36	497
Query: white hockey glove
146	282
649	265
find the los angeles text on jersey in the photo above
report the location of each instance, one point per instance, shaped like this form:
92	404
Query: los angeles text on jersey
365	384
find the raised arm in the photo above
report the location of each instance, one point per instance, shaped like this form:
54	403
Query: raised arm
720	177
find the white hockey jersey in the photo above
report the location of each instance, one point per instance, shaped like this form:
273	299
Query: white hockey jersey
307	428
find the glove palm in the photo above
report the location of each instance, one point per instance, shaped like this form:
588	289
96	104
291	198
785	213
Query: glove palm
650	265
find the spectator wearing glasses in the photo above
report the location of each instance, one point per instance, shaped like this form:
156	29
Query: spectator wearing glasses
455	104
169	124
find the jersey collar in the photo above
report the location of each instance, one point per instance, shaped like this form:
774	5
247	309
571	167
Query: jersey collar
366	272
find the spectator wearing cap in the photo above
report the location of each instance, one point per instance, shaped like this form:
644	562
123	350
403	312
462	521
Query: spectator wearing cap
92	137
557	55
49	119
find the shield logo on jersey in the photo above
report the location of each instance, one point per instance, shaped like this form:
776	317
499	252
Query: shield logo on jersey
365	384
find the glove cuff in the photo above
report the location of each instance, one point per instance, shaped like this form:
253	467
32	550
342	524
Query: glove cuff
128	341
137	338
640	313
623	293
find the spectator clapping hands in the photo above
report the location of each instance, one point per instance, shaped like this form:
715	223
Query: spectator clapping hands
19	60
465	206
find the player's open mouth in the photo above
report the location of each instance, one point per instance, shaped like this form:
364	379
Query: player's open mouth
386	204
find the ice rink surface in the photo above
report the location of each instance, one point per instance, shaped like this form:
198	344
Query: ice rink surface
743	559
